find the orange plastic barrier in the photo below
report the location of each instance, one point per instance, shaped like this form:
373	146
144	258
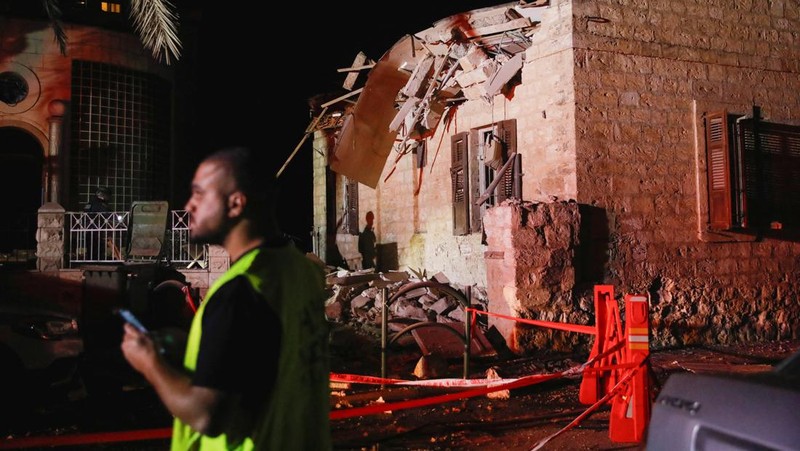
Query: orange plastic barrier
618	365
597	379
630	410
617	370
630	407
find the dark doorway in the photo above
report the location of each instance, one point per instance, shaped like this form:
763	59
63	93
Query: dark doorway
20	190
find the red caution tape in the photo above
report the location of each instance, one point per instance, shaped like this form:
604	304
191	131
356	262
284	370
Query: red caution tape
444	382
187	294
535	322
85	439
410	404
358	379
490	387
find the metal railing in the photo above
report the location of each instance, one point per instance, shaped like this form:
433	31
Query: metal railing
182	250
102	237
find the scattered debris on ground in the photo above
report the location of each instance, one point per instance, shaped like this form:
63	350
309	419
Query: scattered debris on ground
514	419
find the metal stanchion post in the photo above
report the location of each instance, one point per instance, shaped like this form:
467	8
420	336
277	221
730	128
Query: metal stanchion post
467	331
384	328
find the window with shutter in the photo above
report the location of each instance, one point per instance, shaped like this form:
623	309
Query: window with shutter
498	174
459	178
753	175
770	154
485	170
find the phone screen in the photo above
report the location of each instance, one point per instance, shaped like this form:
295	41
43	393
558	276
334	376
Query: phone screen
128	316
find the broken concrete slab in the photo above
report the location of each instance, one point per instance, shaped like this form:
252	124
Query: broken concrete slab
446	343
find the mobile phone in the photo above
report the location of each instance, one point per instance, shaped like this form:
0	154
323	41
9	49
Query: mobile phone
128	316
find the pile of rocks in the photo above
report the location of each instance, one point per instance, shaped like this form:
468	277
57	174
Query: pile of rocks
355	310
356	296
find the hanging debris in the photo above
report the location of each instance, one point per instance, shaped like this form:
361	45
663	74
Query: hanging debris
475	55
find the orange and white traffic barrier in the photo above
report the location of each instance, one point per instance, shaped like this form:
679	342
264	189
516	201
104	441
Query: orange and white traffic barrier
602	375
630	409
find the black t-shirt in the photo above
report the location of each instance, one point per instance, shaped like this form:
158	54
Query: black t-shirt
240	345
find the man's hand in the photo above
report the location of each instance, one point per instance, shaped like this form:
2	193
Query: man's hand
206	410
139	349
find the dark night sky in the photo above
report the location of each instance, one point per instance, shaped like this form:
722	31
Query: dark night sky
255	72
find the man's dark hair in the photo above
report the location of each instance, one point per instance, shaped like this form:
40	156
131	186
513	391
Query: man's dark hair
253	176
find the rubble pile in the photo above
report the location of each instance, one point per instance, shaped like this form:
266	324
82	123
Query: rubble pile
356	298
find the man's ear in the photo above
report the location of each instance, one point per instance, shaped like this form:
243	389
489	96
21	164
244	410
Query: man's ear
236	203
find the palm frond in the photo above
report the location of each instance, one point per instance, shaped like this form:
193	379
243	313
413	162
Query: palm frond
156	23
54	16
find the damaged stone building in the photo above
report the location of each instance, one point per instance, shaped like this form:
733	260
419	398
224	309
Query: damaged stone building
537	149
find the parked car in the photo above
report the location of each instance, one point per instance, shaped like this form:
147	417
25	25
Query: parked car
40	346
729	412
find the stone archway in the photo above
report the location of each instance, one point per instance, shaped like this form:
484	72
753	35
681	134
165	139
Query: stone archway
21	162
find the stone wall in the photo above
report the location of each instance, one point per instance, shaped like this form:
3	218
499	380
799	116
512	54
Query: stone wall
645	73
50	237
531	262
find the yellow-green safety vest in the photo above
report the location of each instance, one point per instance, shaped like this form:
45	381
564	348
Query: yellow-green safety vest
296	413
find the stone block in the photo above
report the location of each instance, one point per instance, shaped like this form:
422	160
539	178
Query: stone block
218	264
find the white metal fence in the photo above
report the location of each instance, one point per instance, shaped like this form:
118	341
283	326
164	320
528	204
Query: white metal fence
103	237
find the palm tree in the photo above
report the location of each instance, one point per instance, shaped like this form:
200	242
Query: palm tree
155	21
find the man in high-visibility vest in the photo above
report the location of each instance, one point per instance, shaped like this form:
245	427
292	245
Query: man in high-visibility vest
256	370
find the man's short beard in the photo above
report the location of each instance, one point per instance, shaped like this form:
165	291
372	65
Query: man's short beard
215	238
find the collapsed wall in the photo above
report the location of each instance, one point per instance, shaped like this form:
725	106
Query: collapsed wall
531	273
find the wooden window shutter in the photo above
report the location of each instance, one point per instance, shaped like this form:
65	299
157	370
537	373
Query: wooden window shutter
507	131
351	204
719	170
459	178
475	185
